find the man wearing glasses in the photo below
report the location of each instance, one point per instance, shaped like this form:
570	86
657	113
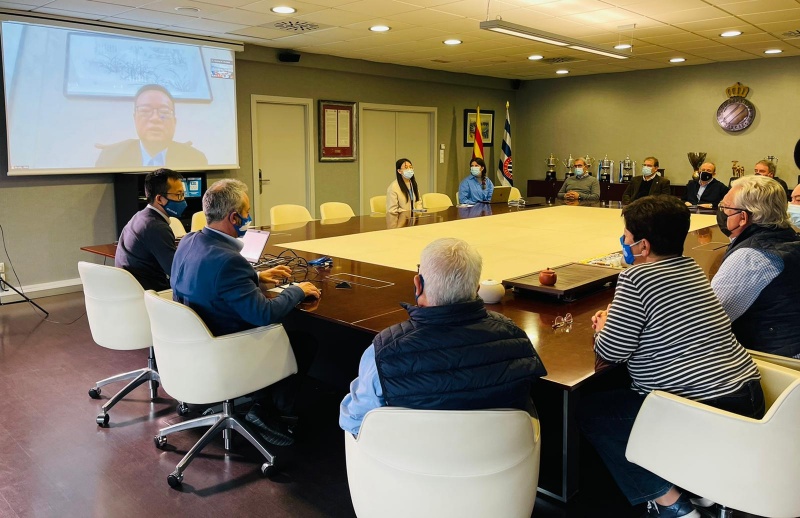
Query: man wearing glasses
147	244
768	169
154	118
758	280
706	192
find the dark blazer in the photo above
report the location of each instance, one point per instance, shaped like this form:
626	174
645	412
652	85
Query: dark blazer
128	153
658	185
146	248
713	194
210	276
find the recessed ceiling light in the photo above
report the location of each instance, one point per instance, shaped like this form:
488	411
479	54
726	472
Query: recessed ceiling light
535	57
187	9
677	60
282	9
773	51
623	46
379	28
452	42
731	34
562	71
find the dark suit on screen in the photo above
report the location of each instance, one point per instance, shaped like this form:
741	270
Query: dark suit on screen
128	153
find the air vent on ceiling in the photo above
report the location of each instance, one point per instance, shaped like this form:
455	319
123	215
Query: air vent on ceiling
558	61
792	34
296	26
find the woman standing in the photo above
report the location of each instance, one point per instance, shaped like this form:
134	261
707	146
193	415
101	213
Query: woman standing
403	193
476	187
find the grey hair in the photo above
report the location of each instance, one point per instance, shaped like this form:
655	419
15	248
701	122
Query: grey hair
222	198
451	270
763	198
771	167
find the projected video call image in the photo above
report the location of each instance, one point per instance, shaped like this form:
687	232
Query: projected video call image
79	101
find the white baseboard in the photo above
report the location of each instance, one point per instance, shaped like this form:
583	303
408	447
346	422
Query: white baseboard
45	289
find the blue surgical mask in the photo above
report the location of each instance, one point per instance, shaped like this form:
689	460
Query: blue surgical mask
175	208
579	172
647	171
476	171
243	222
408	174
794	214
627	253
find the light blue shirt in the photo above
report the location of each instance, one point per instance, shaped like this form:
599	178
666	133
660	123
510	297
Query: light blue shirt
471	191
700	191
365	394
160	160
742	276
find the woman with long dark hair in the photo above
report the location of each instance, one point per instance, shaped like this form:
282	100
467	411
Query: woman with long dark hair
403	193
476	187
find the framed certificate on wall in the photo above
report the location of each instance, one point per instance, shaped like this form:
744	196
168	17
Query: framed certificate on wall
338	131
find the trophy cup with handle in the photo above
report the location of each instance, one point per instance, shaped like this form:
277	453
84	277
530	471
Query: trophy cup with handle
696	159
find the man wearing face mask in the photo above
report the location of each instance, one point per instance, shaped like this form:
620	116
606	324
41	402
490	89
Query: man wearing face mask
794	207
648	184
758	279
147	244
581	186
706	191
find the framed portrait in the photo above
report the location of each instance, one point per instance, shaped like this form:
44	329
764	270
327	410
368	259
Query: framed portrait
487	127
338	131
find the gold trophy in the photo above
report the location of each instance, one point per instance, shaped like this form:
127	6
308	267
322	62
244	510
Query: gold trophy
696	159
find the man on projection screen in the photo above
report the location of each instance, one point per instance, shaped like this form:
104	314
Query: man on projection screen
154	118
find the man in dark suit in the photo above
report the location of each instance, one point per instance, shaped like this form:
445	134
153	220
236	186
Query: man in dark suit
767	168
649	183
706	191
154	118
210	276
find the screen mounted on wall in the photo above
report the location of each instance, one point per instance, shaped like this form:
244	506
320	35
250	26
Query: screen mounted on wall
84	102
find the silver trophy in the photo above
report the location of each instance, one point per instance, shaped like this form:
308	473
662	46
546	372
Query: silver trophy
696	159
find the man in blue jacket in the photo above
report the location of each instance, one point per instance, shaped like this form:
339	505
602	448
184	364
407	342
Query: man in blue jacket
452	354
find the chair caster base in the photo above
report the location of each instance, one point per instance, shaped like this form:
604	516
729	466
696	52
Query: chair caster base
267	469
95	392
160	441
102	420
175	479
182	409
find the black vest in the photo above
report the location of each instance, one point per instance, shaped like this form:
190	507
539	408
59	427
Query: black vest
772	323
456	357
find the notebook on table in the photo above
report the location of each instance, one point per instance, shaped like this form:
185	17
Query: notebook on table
500	194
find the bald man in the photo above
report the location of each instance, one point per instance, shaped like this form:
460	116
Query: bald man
706	191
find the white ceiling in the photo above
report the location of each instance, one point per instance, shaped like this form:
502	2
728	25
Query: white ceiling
663	29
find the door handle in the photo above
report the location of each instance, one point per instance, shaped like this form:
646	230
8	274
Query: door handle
261	182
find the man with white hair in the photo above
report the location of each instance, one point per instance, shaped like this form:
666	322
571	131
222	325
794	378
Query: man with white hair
758	280
452	354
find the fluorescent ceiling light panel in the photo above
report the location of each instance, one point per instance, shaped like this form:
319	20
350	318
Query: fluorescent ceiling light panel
521	31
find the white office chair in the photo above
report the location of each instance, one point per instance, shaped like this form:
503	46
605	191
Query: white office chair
738	462
514	194
177	227
288	213
118	320
785	361
335	210
199	368
198	221
378	204
434	463
436	200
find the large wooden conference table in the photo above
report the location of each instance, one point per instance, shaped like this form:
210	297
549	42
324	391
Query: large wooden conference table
347	316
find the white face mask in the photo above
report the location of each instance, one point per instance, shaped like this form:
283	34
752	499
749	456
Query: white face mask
647	171
579	172
408	174
794	214
476	171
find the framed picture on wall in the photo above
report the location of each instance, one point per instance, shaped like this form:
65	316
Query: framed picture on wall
338	130
487	127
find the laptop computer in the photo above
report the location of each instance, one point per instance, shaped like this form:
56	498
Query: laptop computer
500	194
255	241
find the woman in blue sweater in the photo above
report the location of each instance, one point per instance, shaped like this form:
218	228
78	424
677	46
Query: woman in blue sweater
476	187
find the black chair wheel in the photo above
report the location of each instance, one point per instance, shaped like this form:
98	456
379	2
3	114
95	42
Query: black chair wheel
102	420
174	479
156	384
267	469
160	441
94	393
182	409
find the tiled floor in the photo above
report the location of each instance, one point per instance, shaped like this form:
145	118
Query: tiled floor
55	461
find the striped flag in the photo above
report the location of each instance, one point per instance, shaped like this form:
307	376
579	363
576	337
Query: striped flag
477	145
504	175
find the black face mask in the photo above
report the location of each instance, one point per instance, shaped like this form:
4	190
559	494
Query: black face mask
722	223
705	177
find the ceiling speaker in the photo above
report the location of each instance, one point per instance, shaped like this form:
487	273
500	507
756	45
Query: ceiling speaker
288	57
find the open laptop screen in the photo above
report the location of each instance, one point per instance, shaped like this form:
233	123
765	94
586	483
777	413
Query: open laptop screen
255	241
